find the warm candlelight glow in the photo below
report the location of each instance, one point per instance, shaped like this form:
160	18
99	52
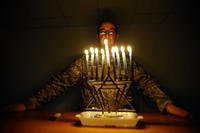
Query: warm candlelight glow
96	55
129	49
106	41
107	51
91	49
113	49
92	60
96	51
119	56
113	59
103	58
92	55
131	63
102	51
124	60
118	61
87	57
122	49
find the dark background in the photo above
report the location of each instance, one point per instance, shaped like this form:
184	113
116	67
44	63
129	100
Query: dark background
40	38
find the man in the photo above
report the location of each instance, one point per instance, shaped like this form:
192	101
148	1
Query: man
73	75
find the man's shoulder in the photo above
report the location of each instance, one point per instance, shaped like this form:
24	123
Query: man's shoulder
76	57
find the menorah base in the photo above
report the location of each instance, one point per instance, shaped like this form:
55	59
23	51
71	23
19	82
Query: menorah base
117	110
109	119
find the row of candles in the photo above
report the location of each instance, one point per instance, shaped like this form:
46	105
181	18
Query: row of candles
106	56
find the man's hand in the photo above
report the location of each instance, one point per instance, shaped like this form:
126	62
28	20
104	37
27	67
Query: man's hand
174	110
14	107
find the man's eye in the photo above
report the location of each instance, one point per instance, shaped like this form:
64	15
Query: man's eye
111	32
102	33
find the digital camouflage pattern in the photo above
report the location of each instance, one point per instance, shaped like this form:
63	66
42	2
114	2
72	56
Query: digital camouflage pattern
76	74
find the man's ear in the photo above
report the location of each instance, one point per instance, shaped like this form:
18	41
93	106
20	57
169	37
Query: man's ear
97	36
117	36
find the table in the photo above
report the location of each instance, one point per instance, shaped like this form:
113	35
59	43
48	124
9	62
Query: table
38	122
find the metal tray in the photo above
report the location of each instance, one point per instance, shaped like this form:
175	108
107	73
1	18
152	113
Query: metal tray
116	119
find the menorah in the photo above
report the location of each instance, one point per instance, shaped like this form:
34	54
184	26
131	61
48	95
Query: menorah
109	77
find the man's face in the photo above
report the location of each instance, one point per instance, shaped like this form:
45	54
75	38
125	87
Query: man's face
107	30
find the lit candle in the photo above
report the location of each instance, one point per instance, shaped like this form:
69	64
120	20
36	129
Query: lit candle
131	63
107	52
124	60
103	59
96	55
113	59
118	62
86	58
92	61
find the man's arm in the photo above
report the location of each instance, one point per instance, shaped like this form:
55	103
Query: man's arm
153	90
55	87
175	110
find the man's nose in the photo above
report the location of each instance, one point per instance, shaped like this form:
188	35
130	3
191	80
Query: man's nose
107	35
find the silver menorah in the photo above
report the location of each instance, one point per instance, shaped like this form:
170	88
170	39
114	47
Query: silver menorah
109	77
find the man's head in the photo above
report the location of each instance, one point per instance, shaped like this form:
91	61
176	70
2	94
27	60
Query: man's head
107	30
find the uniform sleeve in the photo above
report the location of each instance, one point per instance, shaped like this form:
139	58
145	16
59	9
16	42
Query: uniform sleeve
150	87
57	85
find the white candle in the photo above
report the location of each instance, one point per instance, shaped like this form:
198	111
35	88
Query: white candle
86	57
107	52
113	59
118	62
96	55
124	61
103	60
131	63
92	61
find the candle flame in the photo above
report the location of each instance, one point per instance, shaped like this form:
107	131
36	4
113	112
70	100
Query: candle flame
102	51
129	49
106	41
96	50
116	49
86	52
122	48
113	49
92	50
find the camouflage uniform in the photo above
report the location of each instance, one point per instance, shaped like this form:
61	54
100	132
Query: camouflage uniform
76	73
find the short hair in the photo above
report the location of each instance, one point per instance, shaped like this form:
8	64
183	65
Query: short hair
107	16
